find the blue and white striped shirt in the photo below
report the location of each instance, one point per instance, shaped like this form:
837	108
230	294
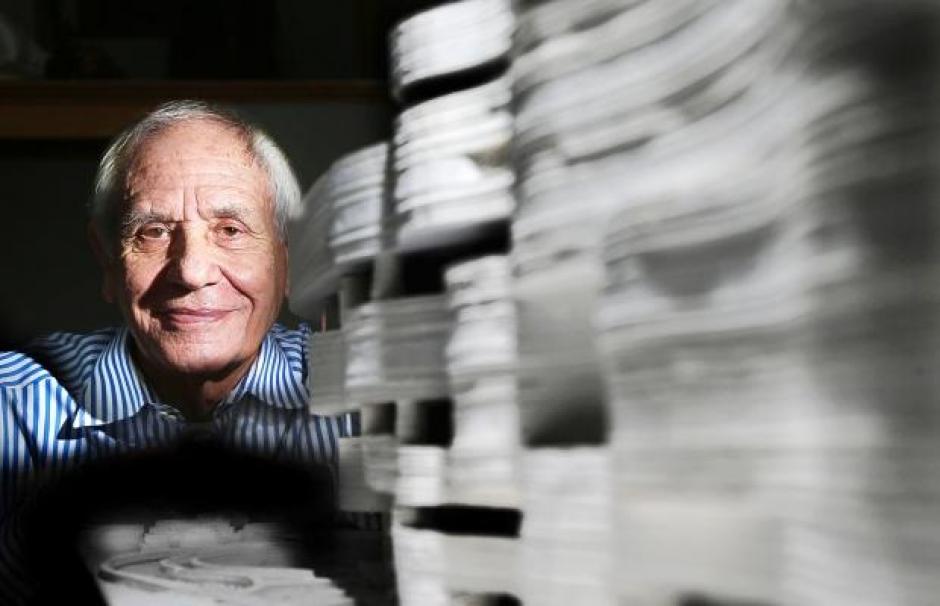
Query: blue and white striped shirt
81	396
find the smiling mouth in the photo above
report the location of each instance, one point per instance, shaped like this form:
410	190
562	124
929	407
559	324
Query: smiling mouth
191	316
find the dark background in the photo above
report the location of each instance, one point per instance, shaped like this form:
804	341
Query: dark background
48	275
211	38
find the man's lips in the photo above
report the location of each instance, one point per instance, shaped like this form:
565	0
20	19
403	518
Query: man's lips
192	315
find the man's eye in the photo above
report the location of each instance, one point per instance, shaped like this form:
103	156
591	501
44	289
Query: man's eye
230	231
153	232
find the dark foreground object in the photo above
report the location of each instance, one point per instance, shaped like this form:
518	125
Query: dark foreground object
192	479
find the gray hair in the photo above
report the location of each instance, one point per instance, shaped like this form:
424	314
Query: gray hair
112	170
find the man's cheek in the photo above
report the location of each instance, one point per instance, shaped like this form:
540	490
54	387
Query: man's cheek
247	277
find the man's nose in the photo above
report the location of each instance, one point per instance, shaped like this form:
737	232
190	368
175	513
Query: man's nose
192	259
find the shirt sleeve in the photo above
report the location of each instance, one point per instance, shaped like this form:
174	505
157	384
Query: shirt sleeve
16	466
17	459
35	409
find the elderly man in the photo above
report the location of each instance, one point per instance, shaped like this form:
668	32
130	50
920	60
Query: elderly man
188	224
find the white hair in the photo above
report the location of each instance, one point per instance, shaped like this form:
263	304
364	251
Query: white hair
112	170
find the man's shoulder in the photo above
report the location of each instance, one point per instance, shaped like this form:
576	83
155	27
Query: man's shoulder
69	356
61	341
18	370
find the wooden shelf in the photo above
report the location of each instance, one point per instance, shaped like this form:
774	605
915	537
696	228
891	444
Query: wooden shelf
94	109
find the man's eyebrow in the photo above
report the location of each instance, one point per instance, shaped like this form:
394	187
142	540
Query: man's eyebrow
230	211
133	219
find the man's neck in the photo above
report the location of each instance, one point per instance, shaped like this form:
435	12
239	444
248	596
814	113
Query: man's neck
196	395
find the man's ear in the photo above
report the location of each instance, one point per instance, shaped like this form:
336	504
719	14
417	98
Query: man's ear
105	261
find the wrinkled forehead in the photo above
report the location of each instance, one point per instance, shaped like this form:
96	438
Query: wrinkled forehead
196	154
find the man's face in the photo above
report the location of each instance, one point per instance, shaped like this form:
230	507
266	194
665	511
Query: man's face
202	268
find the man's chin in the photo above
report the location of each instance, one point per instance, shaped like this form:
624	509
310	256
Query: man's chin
201	362
194	354
201	368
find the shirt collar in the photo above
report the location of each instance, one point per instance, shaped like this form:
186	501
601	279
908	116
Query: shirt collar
272	379
116	390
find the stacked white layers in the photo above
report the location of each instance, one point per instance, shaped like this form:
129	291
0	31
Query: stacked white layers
358	186
422	475
312	271
765	303
450	159
702	290
566	536
724	266
339	227
244	573
453	37
395	349
705	396
167	534
421	432
867	527
481	362
355	493
445	568
595	97
326	376
380	457
647	111
202	561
